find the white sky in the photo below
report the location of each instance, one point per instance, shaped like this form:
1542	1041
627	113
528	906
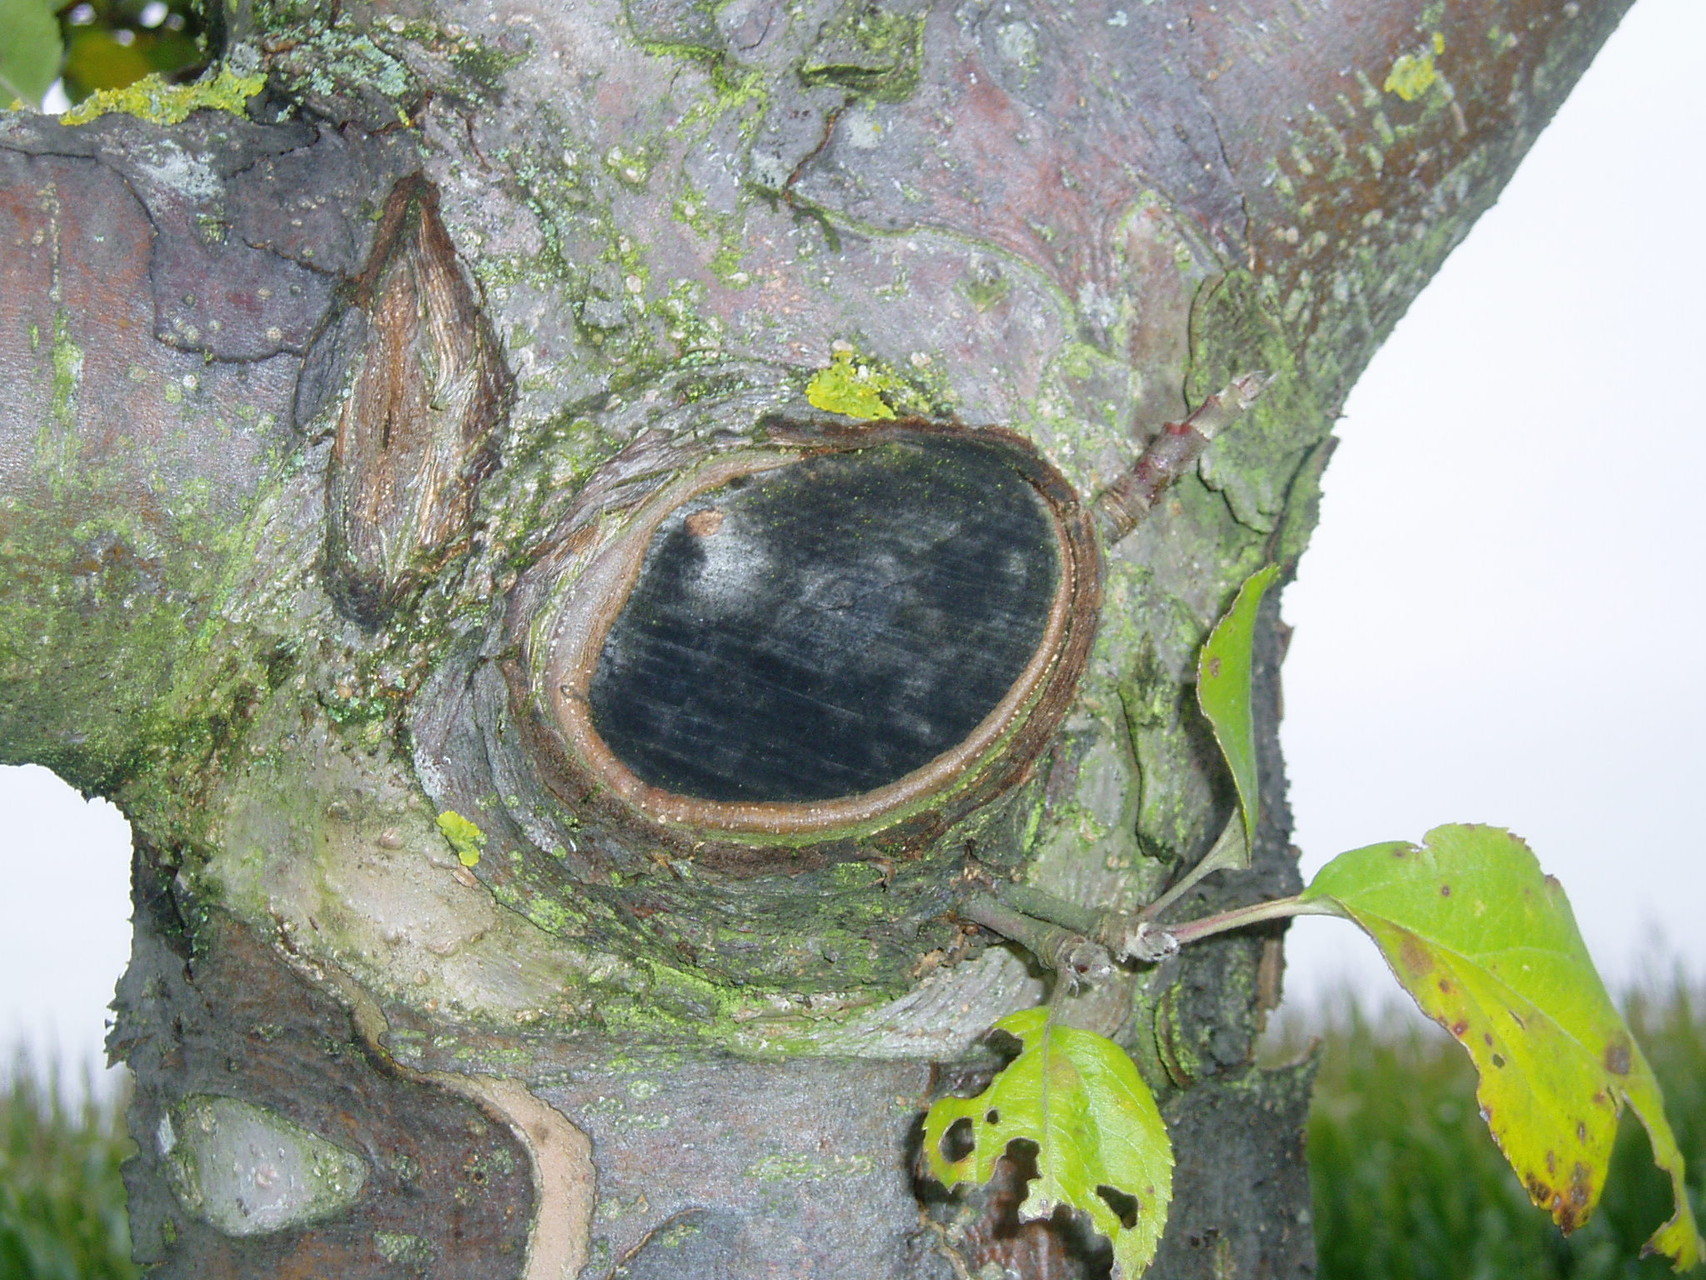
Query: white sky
1499	619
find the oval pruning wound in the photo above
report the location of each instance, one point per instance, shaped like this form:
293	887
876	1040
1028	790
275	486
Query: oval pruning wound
829	627
838	632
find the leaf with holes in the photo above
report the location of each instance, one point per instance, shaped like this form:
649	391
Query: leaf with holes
1101	1146
30	50
1223	689
1488	947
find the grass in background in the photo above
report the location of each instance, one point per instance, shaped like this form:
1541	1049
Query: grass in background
61	1199
1409	1186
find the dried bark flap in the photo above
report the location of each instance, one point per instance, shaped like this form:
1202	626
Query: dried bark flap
414	429
827	628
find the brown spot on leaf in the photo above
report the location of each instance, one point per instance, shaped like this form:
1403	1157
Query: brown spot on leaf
1445	891
1617	1057
1212	667
1499	1060
1581	1186
1445	986
1517	1018
1414	956
1460	1028
1571	1210
1581	1132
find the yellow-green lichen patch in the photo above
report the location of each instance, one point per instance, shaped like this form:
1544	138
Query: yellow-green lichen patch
67	377
856	388
1413	74
465	837
632	164
155	98
404	1249
880	55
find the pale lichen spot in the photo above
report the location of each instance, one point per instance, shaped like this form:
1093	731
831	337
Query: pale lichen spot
1412	75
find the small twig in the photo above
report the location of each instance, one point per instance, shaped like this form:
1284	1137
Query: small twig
1175	449
1081	942
1076	958
1042	905
1125	935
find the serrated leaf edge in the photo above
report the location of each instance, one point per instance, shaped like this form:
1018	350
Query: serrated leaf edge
1134	1247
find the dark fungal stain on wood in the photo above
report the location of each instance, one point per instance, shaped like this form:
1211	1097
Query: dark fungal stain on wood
829	627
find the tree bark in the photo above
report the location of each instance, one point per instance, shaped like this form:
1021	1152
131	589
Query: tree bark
325	408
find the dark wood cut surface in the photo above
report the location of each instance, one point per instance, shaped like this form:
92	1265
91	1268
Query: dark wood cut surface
827	628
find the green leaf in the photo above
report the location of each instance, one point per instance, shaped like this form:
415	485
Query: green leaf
30	50
1078	1097
1223	690
1488	947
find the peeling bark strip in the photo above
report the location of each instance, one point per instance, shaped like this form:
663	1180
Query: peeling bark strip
560	1158
415	425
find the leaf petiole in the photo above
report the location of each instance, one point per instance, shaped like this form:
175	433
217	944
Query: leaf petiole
1229	853
1173	936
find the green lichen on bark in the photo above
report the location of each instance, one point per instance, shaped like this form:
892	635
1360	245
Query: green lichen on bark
157	99
465	837
875	53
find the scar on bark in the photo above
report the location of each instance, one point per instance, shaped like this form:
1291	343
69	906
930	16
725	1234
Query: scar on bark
415	383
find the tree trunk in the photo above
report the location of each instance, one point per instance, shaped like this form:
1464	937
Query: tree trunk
379	441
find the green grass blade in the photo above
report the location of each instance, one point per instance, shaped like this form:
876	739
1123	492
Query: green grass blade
62	1213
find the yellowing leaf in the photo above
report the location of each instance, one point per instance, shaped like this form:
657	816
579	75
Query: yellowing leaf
1101	1146
1223	690
1488	947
